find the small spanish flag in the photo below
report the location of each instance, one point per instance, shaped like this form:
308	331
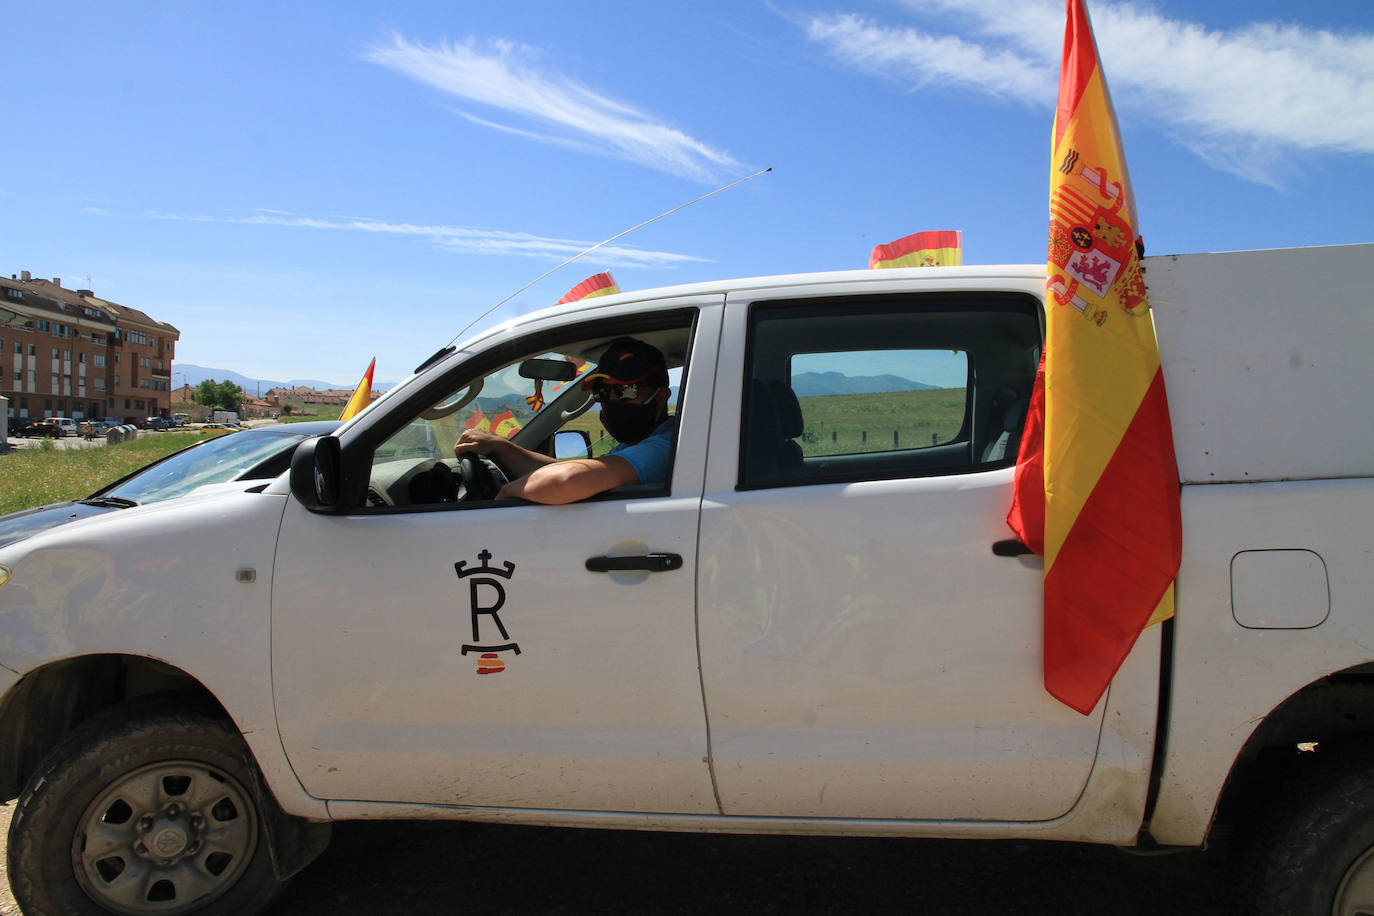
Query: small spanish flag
937	248
362	395
505	424
477	420
601	284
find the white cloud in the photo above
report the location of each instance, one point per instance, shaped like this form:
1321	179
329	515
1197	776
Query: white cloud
1248	99
502	76
921	59
461	239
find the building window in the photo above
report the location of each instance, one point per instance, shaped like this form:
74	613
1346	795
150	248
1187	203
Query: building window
54	353
41	325
99	384
117	382
67	355
81	357
14	293
100	360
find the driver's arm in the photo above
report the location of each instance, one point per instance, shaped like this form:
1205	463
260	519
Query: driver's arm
515	460
568	481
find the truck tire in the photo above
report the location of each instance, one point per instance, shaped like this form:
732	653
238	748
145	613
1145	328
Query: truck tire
1317	857
143	809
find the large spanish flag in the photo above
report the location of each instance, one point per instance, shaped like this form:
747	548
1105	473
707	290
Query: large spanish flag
362	395
1096	481
596	285
938	248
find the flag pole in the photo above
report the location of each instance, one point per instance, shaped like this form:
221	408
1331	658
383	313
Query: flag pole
602	244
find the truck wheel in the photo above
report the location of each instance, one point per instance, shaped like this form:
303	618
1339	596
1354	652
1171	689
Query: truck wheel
144	809
1318	860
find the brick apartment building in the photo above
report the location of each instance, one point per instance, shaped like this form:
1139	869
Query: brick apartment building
68	353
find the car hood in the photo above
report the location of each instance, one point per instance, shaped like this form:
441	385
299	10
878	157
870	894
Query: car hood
18	525
27	522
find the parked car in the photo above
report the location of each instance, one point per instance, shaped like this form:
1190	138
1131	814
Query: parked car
155	423
258	454
42	427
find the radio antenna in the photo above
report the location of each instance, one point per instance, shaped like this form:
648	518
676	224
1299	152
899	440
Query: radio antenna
601	245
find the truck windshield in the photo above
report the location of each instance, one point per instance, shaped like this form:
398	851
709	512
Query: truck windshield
216	461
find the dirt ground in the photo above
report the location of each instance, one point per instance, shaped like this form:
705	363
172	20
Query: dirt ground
428	869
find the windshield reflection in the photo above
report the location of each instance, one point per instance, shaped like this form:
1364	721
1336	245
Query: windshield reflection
216	461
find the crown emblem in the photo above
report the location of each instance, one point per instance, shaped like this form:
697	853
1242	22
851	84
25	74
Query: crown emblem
488	587
485	568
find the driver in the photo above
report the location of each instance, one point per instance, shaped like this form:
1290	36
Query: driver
630	383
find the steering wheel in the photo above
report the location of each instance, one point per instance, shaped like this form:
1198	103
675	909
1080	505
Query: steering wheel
477	480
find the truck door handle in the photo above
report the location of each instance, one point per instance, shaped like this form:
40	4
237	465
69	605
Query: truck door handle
1010	548
653	562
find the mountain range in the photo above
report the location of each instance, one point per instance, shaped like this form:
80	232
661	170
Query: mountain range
193	375
812	384
807	384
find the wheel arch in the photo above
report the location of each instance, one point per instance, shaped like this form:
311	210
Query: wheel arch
52	700
48	702
1325	715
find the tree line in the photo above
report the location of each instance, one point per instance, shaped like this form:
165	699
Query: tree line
219	395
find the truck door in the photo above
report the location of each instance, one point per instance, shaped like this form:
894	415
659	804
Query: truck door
463	653
864	652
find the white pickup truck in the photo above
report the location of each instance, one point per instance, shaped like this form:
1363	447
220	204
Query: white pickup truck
816	625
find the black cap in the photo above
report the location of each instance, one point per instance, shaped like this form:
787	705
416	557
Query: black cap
627	361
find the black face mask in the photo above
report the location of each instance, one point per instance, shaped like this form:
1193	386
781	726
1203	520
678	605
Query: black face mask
628	423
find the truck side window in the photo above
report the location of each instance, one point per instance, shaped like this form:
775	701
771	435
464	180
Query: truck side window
843	390
529	393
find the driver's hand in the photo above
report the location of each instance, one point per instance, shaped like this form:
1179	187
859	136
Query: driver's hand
477	442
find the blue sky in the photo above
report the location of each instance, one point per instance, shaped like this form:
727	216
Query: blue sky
301	186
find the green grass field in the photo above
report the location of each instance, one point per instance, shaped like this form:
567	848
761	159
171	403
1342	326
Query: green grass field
41	475
311	413
834	424
842	424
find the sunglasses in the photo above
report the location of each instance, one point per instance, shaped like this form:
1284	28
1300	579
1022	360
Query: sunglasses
602	393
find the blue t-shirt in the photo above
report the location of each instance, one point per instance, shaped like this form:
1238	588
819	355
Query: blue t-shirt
649	456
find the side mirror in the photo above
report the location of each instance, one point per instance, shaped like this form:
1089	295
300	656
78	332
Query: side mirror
316	471
572	443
